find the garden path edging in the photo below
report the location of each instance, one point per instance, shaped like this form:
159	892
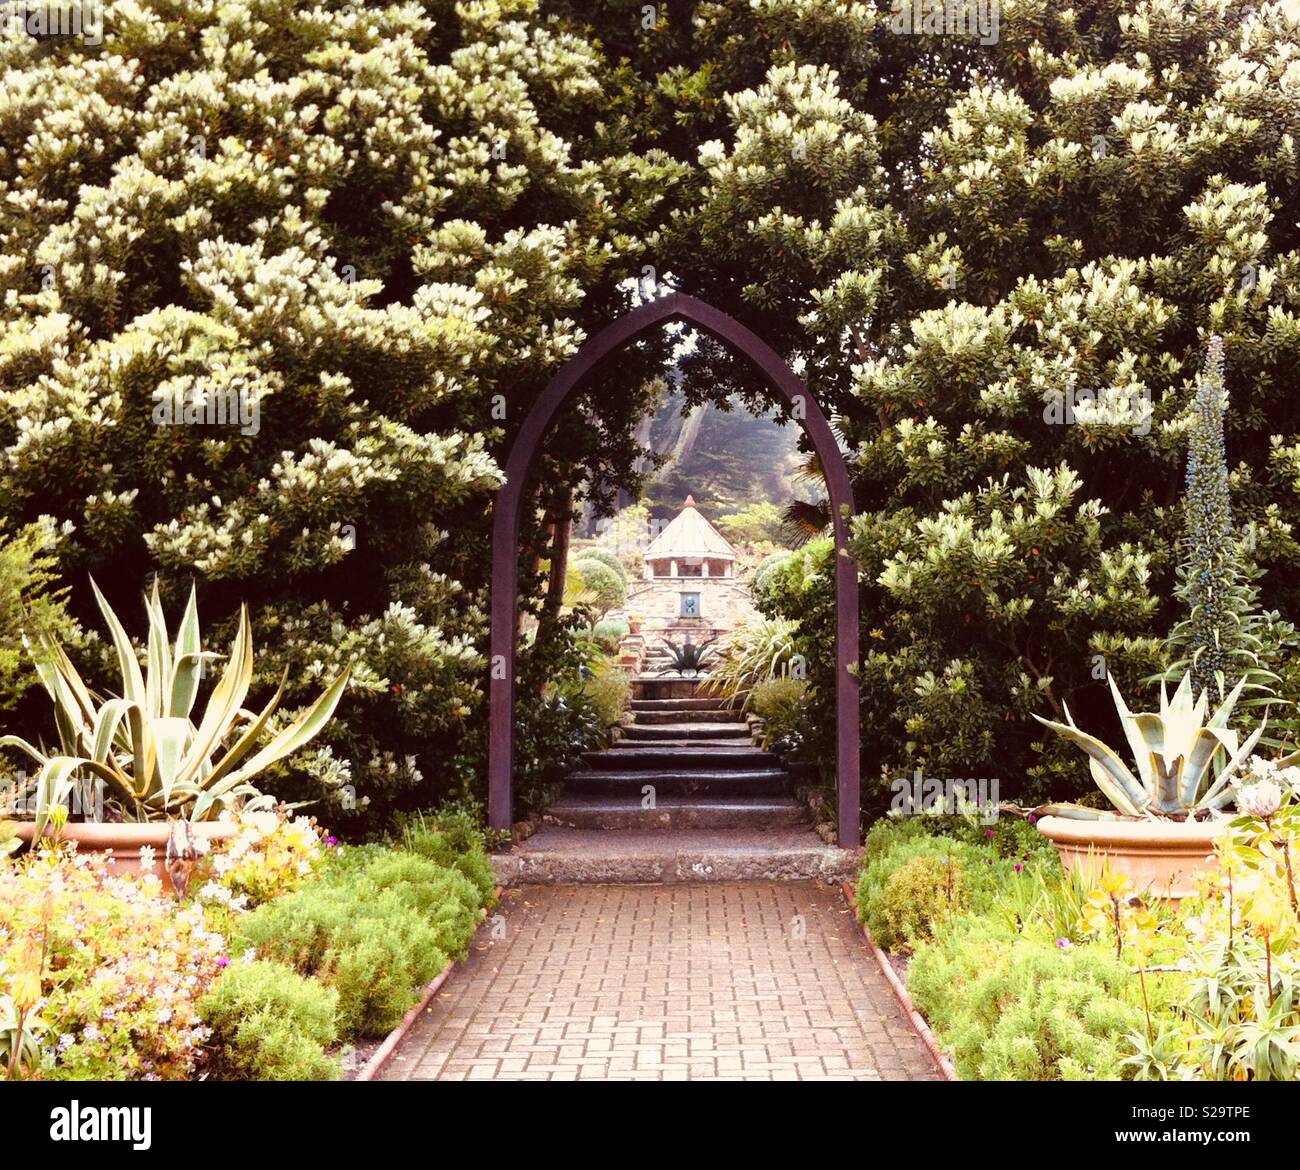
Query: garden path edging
384	1053
917	1020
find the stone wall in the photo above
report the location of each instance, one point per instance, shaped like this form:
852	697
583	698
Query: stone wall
724	602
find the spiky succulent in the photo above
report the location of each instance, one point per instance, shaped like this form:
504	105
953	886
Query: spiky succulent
158	758
1174	751
689	658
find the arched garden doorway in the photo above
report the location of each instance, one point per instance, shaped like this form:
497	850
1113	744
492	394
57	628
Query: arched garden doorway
510	502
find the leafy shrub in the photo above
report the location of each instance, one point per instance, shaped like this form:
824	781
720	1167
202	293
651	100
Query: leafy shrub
606	588
367	944
110	970
558	727
443	897
28	600
605	557
271	1024
768	566
915	899
900	913
609	633
445	847
781	704
1017	1008
610	692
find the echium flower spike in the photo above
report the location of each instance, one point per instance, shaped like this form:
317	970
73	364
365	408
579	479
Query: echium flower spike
1210	545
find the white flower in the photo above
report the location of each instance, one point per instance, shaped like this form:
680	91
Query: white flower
1260	798
147	860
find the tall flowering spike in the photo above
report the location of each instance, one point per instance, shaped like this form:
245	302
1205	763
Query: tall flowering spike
1209	554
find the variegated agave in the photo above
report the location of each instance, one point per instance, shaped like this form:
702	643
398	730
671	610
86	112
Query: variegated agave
156	758
1175	751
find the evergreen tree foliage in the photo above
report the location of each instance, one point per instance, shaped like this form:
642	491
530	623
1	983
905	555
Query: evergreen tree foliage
385	226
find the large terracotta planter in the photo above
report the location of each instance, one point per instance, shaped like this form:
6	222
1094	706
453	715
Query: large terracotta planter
1162	859
124	840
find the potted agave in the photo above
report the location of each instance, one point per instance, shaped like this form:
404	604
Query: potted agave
168	772
1168	814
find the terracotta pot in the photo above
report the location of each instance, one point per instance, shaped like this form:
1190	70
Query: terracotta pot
1161	858
123	841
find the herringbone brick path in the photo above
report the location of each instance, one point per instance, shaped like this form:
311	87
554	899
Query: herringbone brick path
746	981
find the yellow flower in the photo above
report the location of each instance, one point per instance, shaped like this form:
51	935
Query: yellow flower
25	988
1266	911
1113	884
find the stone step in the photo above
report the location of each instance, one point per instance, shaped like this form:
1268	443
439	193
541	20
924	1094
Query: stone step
576	811
681	743
683	755
698	703
631	782
684	732
700	715
557	855
666	687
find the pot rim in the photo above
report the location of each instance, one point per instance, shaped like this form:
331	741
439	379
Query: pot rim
125	834
1137	832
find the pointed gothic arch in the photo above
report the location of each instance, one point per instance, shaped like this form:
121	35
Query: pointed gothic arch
510	501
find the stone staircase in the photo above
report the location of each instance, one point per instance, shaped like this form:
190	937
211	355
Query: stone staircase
683	795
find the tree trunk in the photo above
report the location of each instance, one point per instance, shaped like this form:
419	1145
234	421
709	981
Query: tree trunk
561	527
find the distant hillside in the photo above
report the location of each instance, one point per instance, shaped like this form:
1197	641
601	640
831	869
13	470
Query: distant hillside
727	459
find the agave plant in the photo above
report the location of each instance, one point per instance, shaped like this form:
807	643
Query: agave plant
157	756
689	657
1175	751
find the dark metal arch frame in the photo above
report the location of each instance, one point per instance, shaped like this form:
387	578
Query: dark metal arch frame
510	501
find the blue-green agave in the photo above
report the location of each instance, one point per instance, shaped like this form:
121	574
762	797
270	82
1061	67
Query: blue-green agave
159	757
1174	750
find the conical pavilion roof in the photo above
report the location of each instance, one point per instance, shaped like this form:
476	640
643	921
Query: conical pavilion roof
689	534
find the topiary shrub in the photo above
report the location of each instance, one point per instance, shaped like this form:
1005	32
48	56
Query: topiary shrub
605	557
766	570
607	589
270	1024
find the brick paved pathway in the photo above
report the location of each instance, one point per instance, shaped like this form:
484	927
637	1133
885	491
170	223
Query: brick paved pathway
745	980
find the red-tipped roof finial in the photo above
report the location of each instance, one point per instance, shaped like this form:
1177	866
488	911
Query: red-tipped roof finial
690	502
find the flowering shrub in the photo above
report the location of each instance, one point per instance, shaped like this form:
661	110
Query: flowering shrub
1239	1008
101	974
271	856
